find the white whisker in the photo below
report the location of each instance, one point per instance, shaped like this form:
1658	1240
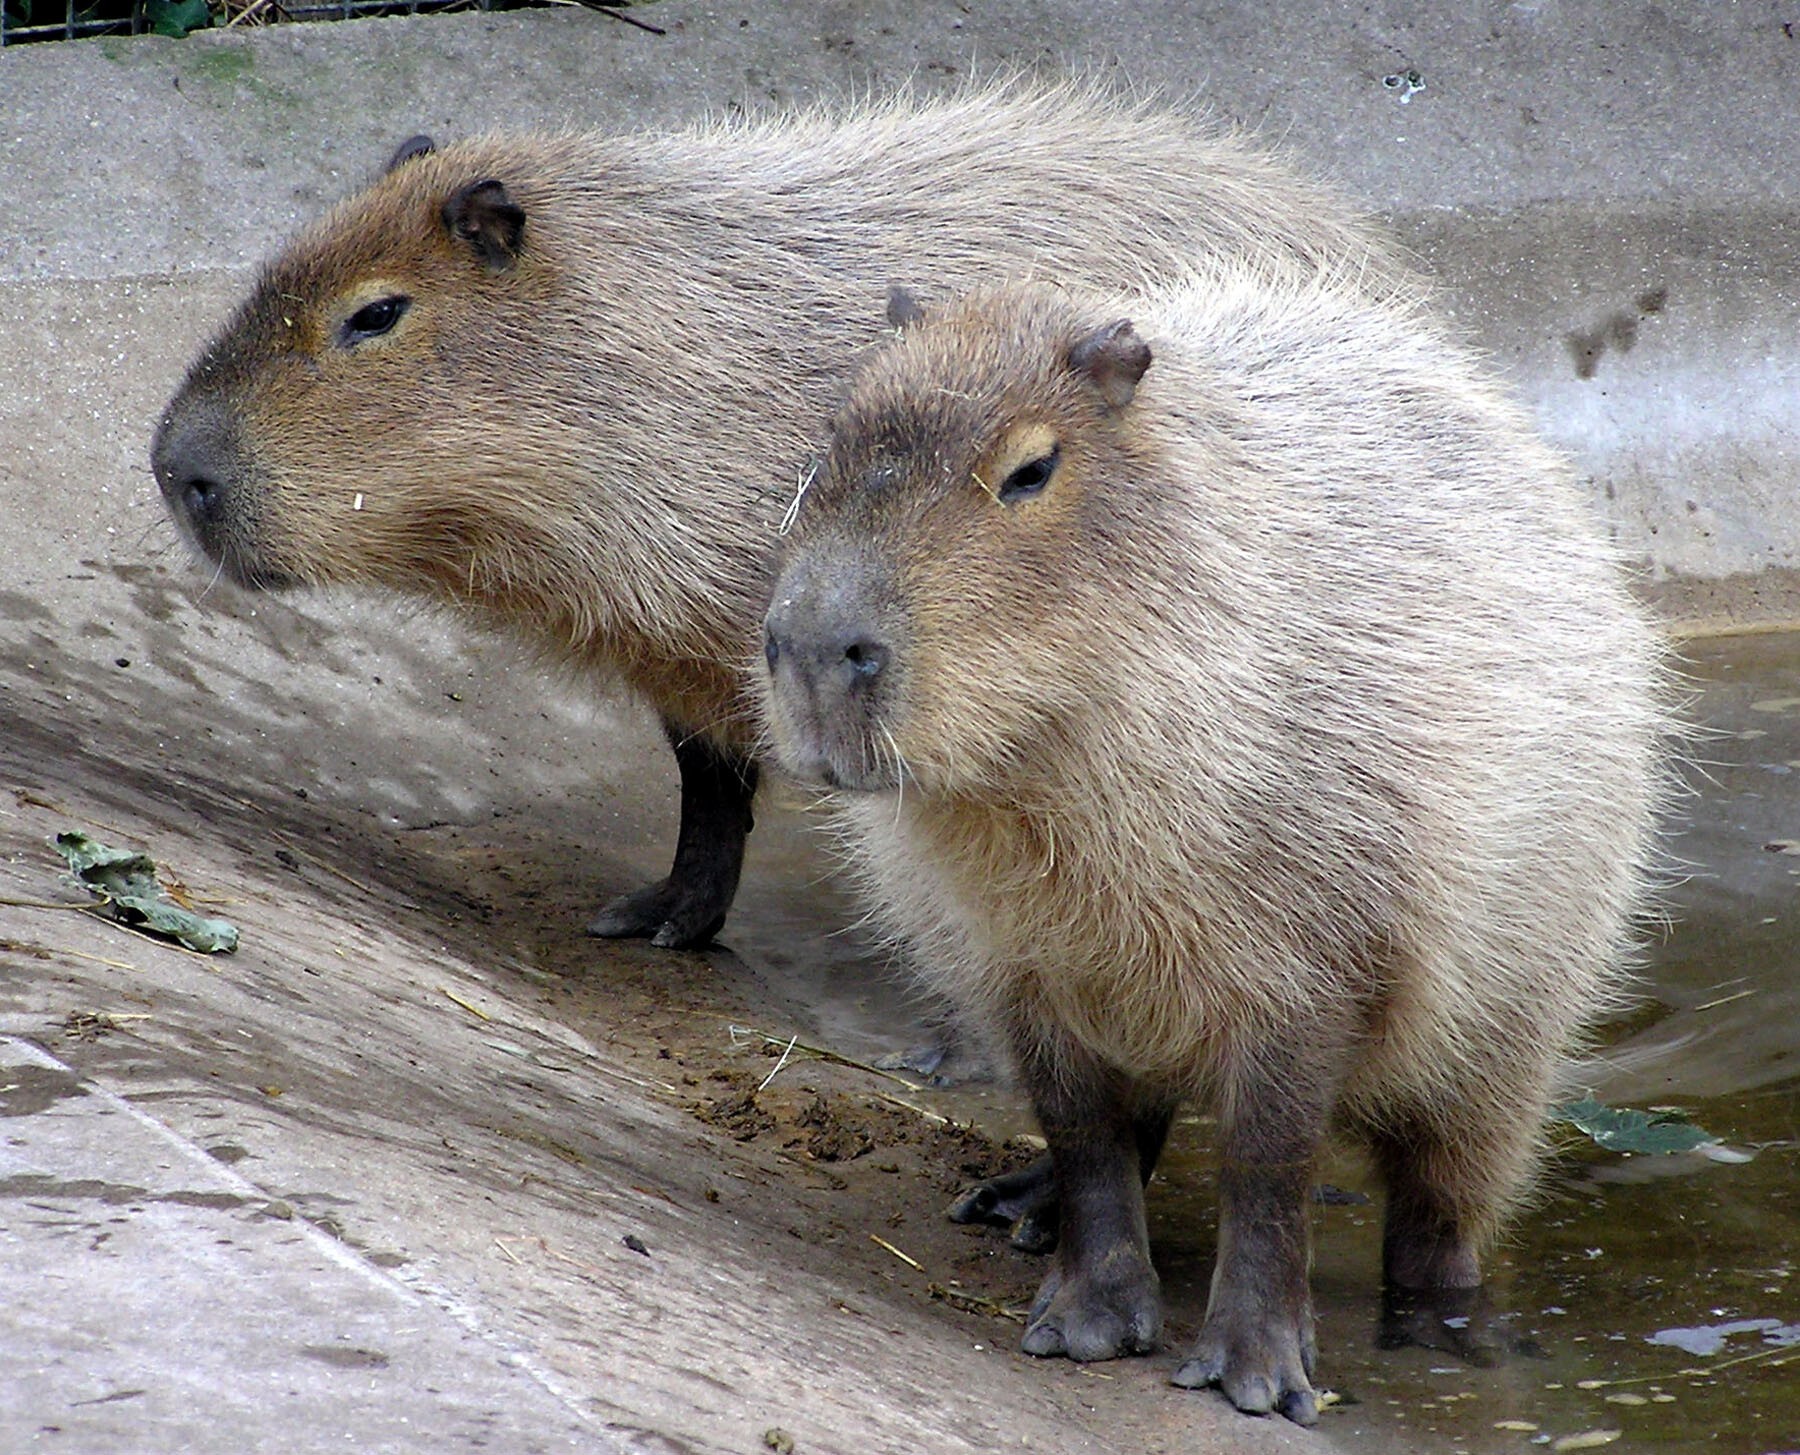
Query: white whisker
899	772
217	575
803	481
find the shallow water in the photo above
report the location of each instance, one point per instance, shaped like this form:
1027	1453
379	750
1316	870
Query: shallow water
1658	1296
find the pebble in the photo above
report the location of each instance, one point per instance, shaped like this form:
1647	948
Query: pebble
1586	1440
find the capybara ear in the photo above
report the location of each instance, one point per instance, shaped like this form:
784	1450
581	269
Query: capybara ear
903	309
1112	359
414	146
483	216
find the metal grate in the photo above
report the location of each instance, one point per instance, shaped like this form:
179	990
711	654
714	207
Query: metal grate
32	20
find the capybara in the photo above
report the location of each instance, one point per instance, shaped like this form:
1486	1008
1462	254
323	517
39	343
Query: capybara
564	385
1226	696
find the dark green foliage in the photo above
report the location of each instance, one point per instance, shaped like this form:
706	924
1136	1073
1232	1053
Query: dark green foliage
176	17
26	20
1623	1129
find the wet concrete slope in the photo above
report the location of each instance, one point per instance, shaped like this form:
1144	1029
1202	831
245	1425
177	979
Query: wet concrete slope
361	1185
406	1172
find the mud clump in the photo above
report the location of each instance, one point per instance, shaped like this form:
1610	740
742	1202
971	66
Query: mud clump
738	1116
831	1136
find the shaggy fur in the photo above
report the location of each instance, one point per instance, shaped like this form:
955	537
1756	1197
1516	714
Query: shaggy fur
1297	745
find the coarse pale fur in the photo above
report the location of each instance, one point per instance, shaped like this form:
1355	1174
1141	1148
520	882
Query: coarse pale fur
1313	685
593	448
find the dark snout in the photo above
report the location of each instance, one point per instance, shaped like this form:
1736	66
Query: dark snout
831	663
203	472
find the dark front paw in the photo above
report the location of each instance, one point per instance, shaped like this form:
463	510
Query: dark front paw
1261	1359
1023	1201
670	916
1100	1312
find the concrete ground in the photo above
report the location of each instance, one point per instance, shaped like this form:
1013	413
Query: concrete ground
368	1184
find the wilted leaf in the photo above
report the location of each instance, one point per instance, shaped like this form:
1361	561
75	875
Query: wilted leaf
126	883
1623	1129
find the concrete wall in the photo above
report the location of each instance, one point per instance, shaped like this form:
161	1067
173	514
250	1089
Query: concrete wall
1606	192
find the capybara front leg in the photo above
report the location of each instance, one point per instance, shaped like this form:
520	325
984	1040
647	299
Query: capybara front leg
688	908
1101	1299
1256	1343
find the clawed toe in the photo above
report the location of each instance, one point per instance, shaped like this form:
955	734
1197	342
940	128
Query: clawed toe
1092	1315
1087	1336
1253	1394
665	916
1261	1370
1301	1406
1198	1372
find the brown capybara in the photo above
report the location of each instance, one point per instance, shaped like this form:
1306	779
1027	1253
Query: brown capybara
1269	723
565	385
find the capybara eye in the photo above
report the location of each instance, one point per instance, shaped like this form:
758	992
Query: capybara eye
373	319
1030	477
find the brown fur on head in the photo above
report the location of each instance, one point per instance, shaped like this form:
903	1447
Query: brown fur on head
989	450
378	340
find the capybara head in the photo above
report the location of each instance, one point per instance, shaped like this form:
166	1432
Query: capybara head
344	425
937	603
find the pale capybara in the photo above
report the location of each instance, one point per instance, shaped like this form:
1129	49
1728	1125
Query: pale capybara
564	385
1269	724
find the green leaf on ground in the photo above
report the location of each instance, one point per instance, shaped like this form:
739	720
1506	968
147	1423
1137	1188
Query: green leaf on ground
130	892
1623	1129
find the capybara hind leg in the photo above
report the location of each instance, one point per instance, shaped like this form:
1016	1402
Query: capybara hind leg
1449	1178
688	908
1025	1201
1101	1300
1425	1242
1257	1341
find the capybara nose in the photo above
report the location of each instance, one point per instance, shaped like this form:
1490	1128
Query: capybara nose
200	497
865	657
192	460
823	656
194	492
